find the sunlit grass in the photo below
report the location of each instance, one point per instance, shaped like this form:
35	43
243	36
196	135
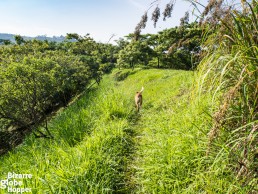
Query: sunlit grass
102	145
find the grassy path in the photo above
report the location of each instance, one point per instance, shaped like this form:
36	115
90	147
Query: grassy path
102	145
165	133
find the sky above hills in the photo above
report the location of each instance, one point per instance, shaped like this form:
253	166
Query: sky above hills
99	18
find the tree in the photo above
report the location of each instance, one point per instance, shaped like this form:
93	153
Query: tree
73	36
37	77
5	42
19	39
26	93
135	52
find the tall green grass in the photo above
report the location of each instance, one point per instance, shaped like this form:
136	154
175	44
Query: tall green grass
102	145
171	139
88	153
230	70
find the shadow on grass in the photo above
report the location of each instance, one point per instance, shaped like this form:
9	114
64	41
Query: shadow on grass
9	140
74	125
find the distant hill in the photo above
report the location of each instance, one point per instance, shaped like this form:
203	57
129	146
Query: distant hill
10	37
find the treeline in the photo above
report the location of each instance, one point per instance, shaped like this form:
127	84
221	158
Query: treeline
177	48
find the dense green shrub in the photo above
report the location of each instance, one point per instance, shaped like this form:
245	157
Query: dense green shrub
39	76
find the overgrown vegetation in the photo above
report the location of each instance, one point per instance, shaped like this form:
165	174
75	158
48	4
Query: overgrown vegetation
176	48
38	77
99	137
230	69
102	146
88	153
196	133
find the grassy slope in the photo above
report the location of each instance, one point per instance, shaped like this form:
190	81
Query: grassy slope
101	145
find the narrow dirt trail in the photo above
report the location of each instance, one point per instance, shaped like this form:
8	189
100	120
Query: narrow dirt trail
153	127
131	167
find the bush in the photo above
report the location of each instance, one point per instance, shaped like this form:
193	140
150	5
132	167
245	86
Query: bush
38	77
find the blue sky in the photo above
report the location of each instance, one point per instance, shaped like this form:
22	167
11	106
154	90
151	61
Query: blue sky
99	18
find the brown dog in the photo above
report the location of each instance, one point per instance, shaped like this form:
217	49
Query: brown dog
138	99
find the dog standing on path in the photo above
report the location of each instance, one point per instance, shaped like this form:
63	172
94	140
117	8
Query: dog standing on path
138	99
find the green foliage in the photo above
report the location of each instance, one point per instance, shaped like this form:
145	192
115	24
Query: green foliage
25	91
89	151
18	39
177	48
102	146
122	74
182	47
75	36
5	42
230	70
39	76
134	53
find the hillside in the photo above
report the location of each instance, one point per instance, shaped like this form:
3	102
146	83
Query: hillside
102	145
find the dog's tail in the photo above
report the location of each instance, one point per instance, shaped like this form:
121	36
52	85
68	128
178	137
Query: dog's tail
141	90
